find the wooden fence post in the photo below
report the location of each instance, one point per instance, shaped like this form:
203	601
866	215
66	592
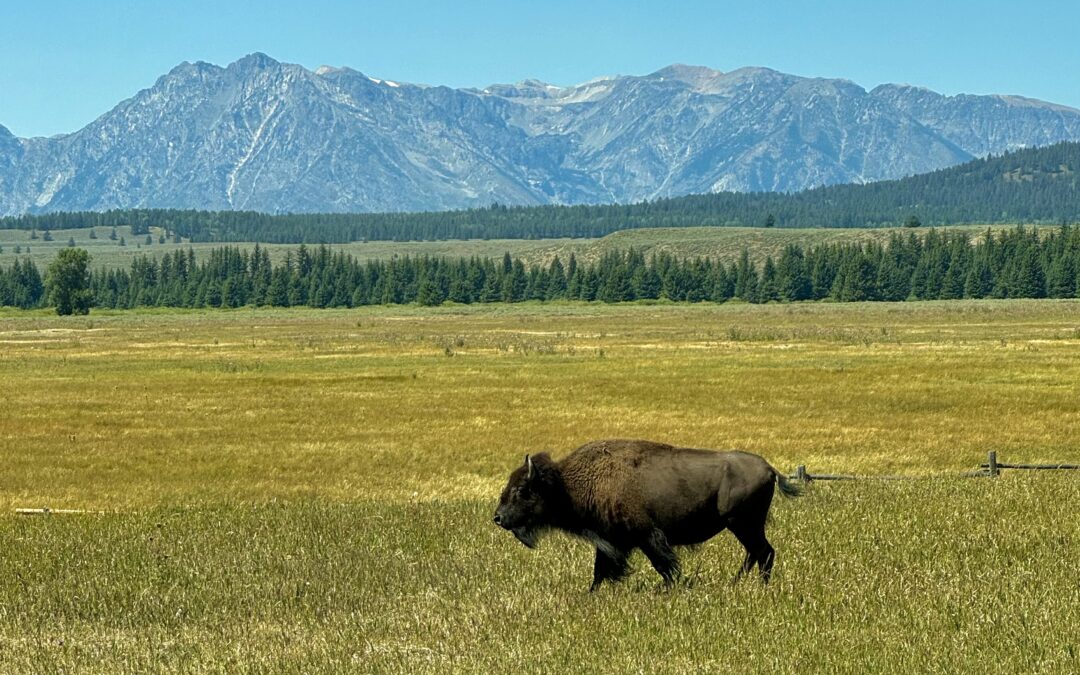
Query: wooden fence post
992	465
800	473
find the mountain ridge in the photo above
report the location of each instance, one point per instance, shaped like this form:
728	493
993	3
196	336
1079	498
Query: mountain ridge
1032	186
264	135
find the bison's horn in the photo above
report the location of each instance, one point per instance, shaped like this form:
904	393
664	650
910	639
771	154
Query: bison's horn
528	463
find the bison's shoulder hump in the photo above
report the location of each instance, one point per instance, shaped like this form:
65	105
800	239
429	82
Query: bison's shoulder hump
611	463
620	447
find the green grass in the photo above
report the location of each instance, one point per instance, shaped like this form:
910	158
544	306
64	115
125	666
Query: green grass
312	490
936	576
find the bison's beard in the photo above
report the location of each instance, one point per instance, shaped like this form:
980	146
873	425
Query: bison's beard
528	535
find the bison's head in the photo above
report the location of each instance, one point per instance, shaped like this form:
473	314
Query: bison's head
527	501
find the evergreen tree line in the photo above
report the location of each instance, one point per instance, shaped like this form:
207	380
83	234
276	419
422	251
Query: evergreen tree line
939	265
21	285
1028	186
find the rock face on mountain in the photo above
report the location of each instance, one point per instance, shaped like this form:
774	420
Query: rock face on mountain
268	136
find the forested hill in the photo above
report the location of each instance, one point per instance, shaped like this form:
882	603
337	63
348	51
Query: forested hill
943	264
1040	185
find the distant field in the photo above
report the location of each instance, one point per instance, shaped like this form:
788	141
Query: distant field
724	243
727	243
107	253
311	490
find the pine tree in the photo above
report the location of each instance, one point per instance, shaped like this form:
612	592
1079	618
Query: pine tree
616	287
1028	280
952	287
793	280
466	282
492	289
590	284
822	274
979	282
723	284
893	284
1061	277
768	288
515	282
556	280
646	282
746	278
856	280
428	292
536	285
918	281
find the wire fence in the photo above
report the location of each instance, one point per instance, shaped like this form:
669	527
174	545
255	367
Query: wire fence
991	468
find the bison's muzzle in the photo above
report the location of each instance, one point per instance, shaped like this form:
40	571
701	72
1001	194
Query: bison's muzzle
524	533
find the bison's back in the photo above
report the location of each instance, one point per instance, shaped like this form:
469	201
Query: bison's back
636	483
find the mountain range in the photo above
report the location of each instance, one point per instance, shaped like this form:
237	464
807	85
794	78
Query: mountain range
268	136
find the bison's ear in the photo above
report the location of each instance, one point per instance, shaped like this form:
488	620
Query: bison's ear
529	467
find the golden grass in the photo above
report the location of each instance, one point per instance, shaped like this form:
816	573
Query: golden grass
141	409
929	576
312	490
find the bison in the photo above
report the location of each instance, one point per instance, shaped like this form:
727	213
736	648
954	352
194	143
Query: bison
625	494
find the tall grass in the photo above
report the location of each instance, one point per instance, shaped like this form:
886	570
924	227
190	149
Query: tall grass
936	576
312	491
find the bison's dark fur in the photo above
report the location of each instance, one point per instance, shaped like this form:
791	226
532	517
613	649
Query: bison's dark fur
627	494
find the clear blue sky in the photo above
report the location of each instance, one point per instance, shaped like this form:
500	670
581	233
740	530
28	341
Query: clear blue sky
63	63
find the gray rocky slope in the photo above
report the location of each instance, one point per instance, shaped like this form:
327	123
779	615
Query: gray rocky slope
269	136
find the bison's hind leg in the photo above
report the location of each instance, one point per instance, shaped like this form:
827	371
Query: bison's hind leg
748	526
609	566
758	550
662	556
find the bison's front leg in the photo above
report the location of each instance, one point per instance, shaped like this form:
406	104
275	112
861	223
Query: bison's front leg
662	557
609	566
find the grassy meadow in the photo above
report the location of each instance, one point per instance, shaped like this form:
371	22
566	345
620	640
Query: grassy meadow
312	490
110	254
722	243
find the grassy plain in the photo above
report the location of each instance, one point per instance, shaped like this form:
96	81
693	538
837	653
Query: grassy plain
110	254
312	490
723	243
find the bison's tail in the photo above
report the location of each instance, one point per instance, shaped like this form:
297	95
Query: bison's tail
788	487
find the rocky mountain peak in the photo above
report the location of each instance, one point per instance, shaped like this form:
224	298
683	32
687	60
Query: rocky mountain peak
270	136
698	77
254	61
